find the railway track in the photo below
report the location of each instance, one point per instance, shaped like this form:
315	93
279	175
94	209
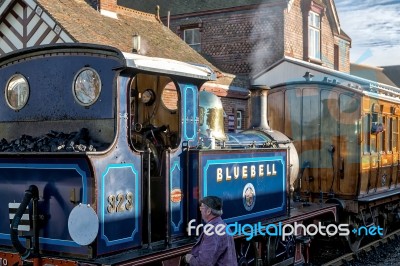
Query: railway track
357	258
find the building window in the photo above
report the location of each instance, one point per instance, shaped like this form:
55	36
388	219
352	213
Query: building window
192	37
239	119
314	35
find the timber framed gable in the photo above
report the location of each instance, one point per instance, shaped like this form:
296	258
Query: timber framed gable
24	23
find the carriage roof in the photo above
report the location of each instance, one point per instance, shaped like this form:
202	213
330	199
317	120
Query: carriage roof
290	70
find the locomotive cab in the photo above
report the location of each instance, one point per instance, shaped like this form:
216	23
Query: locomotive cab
154	116
155	131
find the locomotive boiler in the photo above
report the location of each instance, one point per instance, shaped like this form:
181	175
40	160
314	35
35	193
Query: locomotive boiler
105	155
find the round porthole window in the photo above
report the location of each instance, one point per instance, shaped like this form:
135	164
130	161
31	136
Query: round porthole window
17	92
87	86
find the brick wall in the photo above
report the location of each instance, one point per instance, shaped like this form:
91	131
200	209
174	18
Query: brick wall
170	96
296	37
109	5
231	105
294	45
327	43
239	42
248	41
344	55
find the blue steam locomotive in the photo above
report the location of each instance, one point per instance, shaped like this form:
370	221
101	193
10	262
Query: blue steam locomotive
104	156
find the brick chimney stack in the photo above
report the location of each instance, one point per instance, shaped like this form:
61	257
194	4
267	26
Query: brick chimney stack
108	8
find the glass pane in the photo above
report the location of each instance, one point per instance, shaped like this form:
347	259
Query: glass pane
311	125
292	114
87	86
366	133
395	136
196	47
17	92
196	35
376	139
310	43
329	124
313	44
349	126
317	48
239	119
373	143
188	36
386	133
316	21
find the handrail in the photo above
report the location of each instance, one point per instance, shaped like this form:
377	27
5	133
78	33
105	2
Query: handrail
31	193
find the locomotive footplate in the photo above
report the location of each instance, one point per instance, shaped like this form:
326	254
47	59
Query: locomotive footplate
300	211
7	258
379	196
145	256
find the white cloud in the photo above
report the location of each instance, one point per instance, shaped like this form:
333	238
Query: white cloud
374	27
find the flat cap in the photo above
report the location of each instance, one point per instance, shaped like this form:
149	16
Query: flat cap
212	202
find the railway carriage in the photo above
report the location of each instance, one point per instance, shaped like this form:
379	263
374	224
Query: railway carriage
105	155
346	131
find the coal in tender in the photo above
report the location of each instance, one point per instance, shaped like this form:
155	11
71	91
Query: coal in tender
54	141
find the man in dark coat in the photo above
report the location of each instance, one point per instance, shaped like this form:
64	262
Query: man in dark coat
215	247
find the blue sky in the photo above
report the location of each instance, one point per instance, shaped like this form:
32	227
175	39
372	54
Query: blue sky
374	27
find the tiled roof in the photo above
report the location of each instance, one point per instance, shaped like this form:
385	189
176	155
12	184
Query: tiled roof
372	73
87	25
188	6
393	72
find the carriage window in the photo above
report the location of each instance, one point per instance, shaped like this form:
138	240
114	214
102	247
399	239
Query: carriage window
395	134
17	92
293	103
386	133
310	128
376	133
349	126
329	121
379	136
366	133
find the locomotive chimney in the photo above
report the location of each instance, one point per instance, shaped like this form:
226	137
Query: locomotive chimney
258	102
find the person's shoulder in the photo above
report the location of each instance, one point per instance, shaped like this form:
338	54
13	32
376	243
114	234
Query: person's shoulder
217	220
